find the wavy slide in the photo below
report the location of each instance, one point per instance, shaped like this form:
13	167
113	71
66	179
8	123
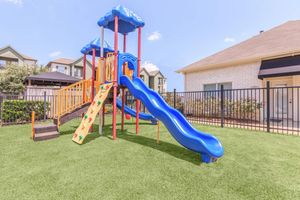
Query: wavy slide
207	145
143	116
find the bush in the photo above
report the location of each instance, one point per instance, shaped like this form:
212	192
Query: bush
244	109
18	111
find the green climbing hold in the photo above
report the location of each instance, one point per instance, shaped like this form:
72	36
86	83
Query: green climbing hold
85	116
99	102
80	137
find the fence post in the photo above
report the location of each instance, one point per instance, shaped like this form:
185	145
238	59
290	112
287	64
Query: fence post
268	106
174	101
222	106
45	106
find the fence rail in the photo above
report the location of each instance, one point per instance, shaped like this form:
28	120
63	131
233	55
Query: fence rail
272	109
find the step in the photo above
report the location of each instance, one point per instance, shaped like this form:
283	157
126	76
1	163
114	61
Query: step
46	136
45	128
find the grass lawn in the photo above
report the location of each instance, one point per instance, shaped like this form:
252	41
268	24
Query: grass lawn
255	165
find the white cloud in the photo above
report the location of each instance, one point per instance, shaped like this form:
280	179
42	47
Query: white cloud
154	36
149	66
15	2
54	54
229	39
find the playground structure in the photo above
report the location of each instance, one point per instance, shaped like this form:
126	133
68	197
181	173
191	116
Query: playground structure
116	72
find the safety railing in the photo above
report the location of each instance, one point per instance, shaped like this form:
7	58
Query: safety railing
72	97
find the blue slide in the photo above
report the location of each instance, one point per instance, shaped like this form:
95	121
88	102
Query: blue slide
207	145
143	116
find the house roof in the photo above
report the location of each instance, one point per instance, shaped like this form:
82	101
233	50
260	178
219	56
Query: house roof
279	41
53	77
66	61
152	73
25	57
28	57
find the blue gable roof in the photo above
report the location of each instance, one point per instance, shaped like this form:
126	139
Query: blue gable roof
128	20
95	44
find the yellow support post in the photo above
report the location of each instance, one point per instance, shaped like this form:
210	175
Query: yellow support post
158	133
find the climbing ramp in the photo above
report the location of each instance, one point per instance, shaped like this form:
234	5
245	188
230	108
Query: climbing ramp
89	118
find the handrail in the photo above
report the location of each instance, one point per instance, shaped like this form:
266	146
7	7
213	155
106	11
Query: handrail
72	97
76	95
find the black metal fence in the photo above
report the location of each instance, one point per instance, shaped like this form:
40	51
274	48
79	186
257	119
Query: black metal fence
16	109
272	109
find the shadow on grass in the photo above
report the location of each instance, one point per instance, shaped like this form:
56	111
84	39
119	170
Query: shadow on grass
169	148
73	128
166	147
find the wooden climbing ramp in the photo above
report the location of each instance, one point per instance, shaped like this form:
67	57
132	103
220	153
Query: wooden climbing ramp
89	118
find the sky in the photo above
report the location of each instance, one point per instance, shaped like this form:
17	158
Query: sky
176	34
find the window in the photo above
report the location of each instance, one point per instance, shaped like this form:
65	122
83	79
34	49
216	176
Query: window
2	63
217	86
78	72
226	86
210	88
61	69
142	77
160	81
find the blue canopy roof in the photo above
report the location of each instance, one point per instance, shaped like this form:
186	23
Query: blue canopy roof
128	20
95	44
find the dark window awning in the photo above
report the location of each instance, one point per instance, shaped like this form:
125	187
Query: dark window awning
286	66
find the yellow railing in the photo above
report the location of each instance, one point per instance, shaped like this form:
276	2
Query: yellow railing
72	97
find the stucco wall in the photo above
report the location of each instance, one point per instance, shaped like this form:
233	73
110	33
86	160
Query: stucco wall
53	68
146	77
29	62
163	89
241	76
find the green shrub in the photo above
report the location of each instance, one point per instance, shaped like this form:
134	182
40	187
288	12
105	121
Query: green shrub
18	111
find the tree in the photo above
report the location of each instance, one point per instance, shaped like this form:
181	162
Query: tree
12	78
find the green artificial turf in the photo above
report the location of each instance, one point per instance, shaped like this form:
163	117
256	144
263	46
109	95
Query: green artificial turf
256	165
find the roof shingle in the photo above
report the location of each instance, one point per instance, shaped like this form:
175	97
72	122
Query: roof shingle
280	40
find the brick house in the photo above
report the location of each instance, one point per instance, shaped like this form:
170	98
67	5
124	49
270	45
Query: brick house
273	55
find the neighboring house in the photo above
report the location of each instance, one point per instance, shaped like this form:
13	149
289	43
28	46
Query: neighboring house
70	67
272	56
154	79
9	55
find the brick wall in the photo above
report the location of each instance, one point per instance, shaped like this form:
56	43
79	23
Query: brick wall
241	76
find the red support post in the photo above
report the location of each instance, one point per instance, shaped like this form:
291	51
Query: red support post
115	82
84	66
84	78
93	74
138	74
123	89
